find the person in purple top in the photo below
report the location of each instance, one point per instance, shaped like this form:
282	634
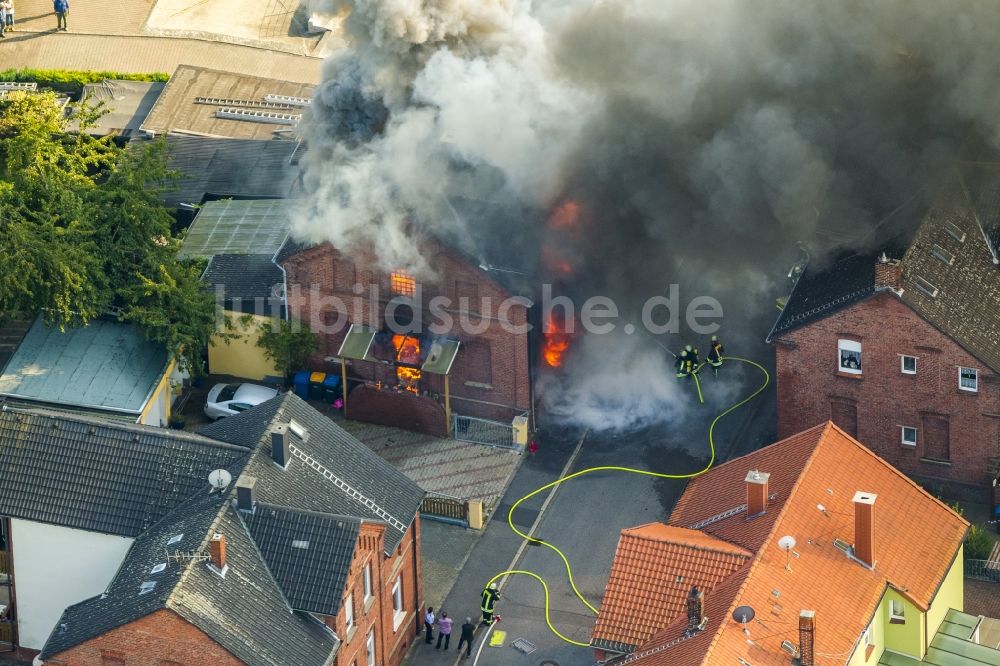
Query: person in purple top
444	630
61	8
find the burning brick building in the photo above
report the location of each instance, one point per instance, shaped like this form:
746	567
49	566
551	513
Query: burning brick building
409	321
904	352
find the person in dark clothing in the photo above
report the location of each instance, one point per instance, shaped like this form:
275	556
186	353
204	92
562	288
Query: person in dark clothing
715	352
490	596
61	8
681	365
466	638
429	625
693	357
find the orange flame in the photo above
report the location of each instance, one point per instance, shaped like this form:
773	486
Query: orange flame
565	215
556	342
407	351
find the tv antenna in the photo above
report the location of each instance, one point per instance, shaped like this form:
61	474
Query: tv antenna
744	614
786	543
219	479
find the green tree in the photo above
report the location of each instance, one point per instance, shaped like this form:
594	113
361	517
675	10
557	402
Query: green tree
83	231
287	344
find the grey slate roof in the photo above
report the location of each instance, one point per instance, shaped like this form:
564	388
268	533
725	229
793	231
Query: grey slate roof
94	474
968	290
243	611
249	283
230	167
105	365
329	446
308	553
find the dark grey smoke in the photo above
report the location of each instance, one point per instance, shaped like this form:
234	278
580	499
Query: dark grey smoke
702	139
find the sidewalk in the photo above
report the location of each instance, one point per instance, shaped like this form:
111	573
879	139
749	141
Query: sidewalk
497	547
125	53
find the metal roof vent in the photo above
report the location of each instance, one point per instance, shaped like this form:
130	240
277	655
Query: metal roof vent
791	648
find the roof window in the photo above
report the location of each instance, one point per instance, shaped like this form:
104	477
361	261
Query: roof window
175	538
925	286
942	254
298	430
300	544
147	587
954	231
158	568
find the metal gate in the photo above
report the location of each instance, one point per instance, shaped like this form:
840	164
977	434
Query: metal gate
482	431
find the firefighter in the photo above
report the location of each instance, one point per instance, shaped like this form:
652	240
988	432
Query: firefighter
490	596
681	364
693	356
715	352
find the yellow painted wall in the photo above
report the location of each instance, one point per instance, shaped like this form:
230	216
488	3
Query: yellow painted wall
908	637
241	357
950	595
878	633
162	391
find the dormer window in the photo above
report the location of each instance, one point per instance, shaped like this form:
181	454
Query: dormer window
850	356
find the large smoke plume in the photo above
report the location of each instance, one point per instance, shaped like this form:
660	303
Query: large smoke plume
702	140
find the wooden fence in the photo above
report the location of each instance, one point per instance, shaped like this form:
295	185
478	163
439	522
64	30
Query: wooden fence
447	509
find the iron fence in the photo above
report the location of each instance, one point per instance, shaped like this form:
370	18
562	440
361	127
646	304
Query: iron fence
445	509
482	431
988	570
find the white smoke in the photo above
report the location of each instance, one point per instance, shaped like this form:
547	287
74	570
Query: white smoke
706	137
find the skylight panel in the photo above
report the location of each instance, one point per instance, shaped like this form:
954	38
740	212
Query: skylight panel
942	254
147	587
175	539
954	231
925	286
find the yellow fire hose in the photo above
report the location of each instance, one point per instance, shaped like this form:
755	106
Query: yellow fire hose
611	468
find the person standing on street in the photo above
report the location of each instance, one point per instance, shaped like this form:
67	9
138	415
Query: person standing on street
429	625
61	8
3	18
9	10
444	630
466	638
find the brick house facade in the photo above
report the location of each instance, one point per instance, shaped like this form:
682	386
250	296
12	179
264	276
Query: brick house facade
904	353
957	431
490	378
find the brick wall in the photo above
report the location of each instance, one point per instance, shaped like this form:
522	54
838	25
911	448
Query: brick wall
156	639
882	398
377	615
490	377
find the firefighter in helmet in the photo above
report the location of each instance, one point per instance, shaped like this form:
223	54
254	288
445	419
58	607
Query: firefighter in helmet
490	596
681	365
715	352
693	356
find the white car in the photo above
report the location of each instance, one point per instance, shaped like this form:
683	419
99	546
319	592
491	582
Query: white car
228	399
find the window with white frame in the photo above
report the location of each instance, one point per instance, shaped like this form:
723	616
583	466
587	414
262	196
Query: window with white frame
908	364
850	356
370	647
349	611
908	435
897	611
968	379
868	639
368	582
397	603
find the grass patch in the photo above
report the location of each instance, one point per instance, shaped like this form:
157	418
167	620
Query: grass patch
72	81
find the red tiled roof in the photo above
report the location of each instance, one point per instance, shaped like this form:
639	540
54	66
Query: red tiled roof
655	567
916	540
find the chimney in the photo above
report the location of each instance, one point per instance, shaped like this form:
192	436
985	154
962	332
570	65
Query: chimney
217	551
246	496
695	609
888	273
279	445
756	493
864	527
807	637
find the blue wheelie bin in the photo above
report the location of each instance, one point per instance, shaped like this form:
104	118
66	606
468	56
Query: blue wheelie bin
301	384
331	388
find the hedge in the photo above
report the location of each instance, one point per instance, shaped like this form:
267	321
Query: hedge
72	81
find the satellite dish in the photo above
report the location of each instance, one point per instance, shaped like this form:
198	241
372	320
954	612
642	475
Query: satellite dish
786	543
743	614
219	479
